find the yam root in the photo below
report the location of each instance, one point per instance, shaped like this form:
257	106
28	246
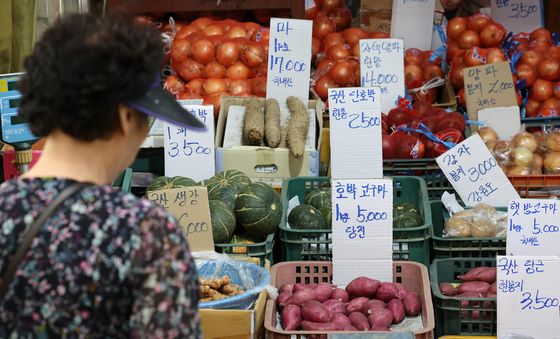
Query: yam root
253	124
272	132
298	126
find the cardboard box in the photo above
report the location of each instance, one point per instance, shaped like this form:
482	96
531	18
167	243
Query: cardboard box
261	163
234	324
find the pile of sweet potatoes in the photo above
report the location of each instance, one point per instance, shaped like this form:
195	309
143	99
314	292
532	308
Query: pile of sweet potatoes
479	282
364	305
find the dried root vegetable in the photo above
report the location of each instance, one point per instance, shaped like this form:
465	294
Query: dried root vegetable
253	125
272	132
298	126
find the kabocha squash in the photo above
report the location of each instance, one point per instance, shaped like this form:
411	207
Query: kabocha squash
228	178
406	215
327	215
402	207
242	239
258	210
318	198
306	217
226	195
223	221
162	183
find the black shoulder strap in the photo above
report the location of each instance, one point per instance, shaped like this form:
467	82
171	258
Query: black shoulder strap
31	233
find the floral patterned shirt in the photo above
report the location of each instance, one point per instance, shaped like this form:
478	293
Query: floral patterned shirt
105	265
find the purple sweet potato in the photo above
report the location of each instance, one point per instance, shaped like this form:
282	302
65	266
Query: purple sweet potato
341	320
314	311
473	286
412	304
486	274
323	292
401	289
359	321
380	318
291	317
349	328
311	326
372	304
362	287
335	306
493	289
281	299
286	288
447	289
386	292
356	304
397	308
340	294
301	297
380	329
300	287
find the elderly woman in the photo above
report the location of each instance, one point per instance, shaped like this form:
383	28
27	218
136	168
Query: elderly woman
77	257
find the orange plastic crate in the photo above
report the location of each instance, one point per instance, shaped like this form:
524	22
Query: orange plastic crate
536	186
413	276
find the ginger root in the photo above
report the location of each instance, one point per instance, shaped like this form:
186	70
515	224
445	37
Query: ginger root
298	126
253	124
217	288
272	132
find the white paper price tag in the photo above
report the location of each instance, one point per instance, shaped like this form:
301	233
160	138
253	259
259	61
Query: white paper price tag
528	297
382	64
355	119
289	60
362	220
190	153
476	175
506	121
518	15
533	227
412	21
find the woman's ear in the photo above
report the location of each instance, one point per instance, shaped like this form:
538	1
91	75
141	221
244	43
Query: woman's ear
126	118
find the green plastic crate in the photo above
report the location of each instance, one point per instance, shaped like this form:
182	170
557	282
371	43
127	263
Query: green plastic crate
461	247
124	180
315	245
452	318
262	250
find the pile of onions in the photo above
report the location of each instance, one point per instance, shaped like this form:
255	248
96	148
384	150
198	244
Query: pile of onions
418	69
338	63
539	69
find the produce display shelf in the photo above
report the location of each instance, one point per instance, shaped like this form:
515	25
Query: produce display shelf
460	247
412	275
148	6
411	244
428	169
536	186
476	316
262	251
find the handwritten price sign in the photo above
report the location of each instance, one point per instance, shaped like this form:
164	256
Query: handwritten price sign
518	15
412	21
475	174
190	153
362	220
528	296
356	120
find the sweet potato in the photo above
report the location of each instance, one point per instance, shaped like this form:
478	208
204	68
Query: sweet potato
359	321
401	289
349	328
341	320
323	292
473	286
372	304
340	294
311	326
486	274
362	287
286	288
253	125
300	287
465	302
291	317
386	292
281	299
490	304
447	289
412	304
493	289
335	306
356	304
298	126
380	329
272	131
314	311
380	318
301	297
397	308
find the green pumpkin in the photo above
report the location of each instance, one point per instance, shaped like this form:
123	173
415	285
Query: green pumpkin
326	212
403	207
226	195
162	183
407	220
229	178
306	217
318	198
258	210
223	221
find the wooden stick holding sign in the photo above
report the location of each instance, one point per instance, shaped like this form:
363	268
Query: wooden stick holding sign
189	205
